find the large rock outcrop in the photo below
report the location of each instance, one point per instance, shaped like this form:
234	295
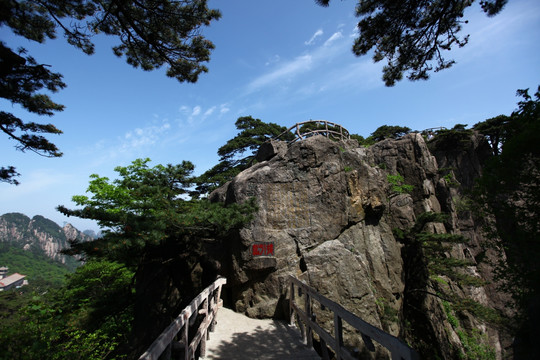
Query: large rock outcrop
330	211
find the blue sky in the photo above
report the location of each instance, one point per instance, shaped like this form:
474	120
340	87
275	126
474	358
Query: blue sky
279	61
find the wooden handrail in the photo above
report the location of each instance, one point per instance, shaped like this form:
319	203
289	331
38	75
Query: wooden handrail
210	299
343	133
398	349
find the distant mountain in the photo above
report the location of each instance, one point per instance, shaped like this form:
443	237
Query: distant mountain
39	235
92	234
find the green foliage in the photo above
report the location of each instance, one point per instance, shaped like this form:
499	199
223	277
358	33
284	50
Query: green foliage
151	34
217	176
21	79
450	180
435	247
397	184
509	192
151	228
412	34
389	132
239	152
365	142
348	169
18	219
39	269
474	342
451	140
145	207
510	187
495	130
361	140
433	271
397	187
48	226
463	203
24	236
387	313
253	133
87	318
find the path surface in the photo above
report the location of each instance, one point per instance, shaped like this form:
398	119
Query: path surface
238	337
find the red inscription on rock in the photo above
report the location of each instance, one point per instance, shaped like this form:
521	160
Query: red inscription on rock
263	249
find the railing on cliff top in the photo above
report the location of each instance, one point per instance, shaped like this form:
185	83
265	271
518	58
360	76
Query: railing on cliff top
322	127
161	348
307	322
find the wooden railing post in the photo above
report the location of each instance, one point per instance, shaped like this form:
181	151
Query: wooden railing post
203	339
185	337
309	334
368	332
179	328
326	128
338	333
212	326
291	302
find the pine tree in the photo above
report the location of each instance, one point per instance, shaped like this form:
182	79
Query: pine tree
412	34
151	34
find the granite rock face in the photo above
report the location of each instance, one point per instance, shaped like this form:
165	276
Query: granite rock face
41	235
329	210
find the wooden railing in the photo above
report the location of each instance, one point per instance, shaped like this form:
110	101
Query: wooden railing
323	127
307	323
210	299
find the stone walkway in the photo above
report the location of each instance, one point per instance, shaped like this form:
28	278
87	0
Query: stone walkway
238	337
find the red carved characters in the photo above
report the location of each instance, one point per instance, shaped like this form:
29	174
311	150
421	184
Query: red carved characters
262	249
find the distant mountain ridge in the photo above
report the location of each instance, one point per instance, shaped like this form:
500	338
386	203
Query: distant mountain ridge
40	235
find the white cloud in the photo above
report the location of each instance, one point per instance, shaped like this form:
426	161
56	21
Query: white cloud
354	33
316	35
36	181
140	137
335	36
275	59
491	35
196	111
224	108
360	74
209	111
284	72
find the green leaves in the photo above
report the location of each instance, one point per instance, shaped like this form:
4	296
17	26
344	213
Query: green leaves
389	132
20	81
412	34
238	153
152	34
496	130
87	318
254	132
147	207
509	192
397	184
436	250
152	229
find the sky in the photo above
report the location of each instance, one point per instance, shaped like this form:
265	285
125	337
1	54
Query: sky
279	61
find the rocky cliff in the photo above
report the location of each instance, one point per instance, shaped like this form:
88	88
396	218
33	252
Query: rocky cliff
39	235
332	211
